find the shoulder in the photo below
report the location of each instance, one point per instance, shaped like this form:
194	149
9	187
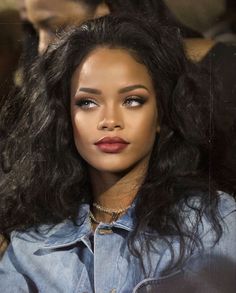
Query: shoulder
54	235
226	204
225	212
220	238
227	243
214	266
33	234
33	239
212	225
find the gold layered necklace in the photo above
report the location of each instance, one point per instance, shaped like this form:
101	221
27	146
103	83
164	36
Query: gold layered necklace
115	213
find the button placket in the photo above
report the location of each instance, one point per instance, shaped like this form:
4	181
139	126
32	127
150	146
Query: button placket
104	259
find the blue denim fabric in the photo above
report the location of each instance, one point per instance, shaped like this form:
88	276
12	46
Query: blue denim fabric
69	258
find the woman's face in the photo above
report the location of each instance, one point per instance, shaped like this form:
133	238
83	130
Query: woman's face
113	110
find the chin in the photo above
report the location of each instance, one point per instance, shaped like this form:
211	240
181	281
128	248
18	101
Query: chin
117	165
112	167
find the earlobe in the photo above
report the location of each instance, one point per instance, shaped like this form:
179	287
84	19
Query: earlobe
101	10
158	128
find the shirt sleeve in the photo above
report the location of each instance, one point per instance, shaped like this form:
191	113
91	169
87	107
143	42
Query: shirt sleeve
226	246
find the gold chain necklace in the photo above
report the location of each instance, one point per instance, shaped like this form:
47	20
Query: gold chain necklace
113	212
110	211
93	219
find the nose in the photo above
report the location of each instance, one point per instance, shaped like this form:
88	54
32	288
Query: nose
45	38
111	120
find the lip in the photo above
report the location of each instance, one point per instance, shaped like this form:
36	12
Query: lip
111	144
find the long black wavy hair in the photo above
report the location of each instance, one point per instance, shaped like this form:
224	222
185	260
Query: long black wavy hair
45	179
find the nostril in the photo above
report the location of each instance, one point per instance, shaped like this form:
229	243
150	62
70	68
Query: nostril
109	124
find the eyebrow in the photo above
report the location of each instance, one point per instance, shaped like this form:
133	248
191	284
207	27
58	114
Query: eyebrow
90	90
132	87
121	91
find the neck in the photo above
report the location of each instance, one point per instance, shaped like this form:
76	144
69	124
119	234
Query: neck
115	190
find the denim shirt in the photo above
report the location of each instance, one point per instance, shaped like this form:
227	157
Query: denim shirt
72	258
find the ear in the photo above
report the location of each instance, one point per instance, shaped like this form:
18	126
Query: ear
158	128
101	10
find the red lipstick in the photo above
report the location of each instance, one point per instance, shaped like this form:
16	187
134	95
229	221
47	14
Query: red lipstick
111	144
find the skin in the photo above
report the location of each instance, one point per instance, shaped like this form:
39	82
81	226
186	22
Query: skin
3	245
198	48
22	9
113	95
49	17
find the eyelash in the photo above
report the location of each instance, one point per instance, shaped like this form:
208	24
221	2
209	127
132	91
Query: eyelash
85	103
139	100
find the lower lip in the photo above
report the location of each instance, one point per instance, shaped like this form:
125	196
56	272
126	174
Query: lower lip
112	148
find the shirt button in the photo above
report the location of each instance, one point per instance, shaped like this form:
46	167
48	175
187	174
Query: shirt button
105	231
113	291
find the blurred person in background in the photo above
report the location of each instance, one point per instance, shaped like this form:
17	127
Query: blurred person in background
224	28
10	49
50	17
29	41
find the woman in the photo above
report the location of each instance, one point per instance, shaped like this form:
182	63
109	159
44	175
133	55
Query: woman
43	20
48	18
108	189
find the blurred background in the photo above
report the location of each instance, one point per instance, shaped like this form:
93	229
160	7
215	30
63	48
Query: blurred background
210	17
200	14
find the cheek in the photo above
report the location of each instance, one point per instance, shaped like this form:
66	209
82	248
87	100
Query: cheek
147	137
80	129
147	126
85	131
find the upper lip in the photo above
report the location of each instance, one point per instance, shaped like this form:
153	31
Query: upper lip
111	140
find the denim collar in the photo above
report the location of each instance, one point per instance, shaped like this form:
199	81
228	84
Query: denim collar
67	233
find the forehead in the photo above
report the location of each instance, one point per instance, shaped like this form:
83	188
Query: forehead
105	65
41	9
